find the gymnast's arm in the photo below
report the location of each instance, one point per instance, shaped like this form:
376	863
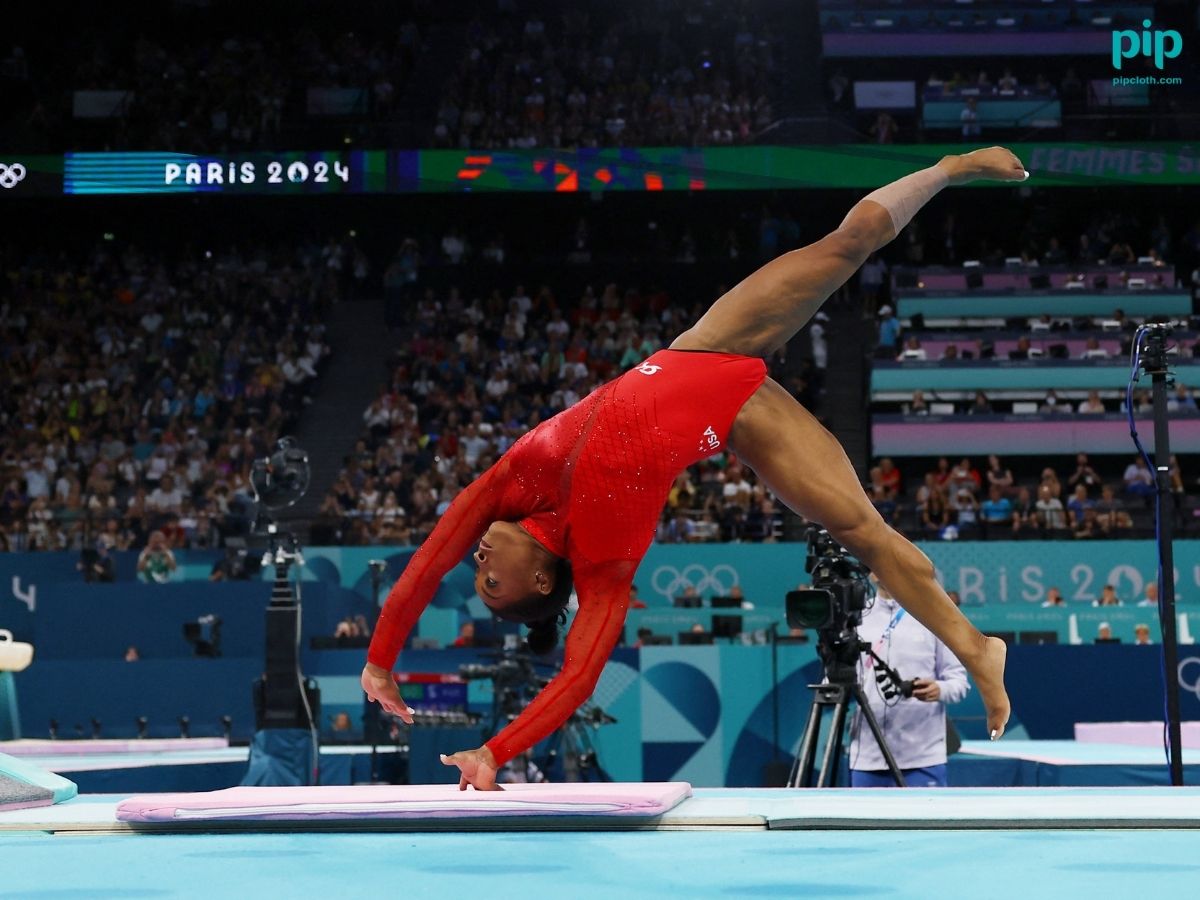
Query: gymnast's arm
484	501
603	601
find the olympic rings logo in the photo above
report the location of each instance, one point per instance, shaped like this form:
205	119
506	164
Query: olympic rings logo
1193	687
671	582
11	176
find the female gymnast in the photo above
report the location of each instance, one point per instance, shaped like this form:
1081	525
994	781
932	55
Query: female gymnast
578	497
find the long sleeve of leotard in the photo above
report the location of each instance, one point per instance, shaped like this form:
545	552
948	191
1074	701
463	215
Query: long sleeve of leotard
603	592
460	527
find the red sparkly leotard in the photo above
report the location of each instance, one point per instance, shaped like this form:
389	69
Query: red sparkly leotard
589	485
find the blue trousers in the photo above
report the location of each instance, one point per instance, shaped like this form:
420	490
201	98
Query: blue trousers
929	776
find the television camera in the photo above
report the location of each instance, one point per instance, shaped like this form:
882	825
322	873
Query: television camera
516	681
841	592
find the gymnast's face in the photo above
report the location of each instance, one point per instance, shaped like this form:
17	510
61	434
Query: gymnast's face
511	571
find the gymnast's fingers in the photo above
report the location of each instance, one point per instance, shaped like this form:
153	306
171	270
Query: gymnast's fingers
391	701
404	711
454	759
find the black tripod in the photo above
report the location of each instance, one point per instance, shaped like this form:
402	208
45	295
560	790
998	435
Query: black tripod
840	654
573	745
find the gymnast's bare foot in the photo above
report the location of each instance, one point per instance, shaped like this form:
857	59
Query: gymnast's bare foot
989	678
991	163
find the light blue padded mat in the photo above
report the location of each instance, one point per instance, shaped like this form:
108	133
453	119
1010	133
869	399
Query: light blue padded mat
898	865
740	809
25	772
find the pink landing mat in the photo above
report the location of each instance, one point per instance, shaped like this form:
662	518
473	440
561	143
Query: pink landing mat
417	801
39	747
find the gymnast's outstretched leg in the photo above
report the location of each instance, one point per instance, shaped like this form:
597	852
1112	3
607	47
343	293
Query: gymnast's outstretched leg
763	311
803	463
805	466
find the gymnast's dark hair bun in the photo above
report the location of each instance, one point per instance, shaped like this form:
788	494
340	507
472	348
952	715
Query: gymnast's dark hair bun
543	635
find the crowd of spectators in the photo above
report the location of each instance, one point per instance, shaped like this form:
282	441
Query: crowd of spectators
474	374
657	73
957	501
977	84
662	72
203	88
1100	257
1181	400
980	83
1076	88
957	17
1112	238
138	389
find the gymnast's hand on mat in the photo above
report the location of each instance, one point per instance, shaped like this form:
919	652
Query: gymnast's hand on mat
380	688
478	769
926	689
993	163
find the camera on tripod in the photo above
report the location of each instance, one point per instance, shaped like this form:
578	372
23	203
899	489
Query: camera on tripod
515	682
569	751
840	591
283	696
511	669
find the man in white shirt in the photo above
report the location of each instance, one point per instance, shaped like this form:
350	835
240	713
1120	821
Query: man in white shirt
1150	598
454	248
737	489
151	321
558	328
1054	598
473	444
1093	405
816	334
969	117
37	481
914	727
496	387
522	300
166	497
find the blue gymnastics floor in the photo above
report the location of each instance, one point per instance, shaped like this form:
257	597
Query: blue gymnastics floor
531	866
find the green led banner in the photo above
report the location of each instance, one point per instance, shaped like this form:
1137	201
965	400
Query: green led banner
856	166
